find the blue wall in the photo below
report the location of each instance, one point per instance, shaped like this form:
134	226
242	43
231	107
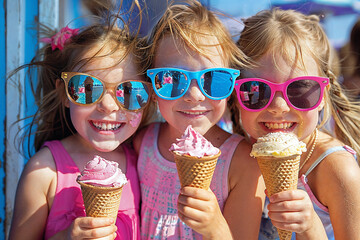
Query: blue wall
31	46
2	118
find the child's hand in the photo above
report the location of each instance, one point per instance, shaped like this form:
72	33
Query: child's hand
293	211
199	209
89	228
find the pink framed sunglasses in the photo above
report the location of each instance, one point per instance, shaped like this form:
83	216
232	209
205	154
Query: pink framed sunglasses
302	93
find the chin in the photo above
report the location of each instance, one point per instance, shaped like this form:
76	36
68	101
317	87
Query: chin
106	147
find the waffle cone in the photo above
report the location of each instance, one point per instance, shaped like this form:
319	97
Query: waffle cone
194	171
101	201
280	174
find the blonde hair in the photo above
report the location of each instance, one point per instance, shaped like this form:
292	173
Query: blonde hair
52	120
270	31
189	23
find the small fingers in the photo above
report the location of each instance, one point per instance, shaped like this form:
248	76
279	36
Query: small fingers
197	193
93	228
288	195
188	216
91	222
293	227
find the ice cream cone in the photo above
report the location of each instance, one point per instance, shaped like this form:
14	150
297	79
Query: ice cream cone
280	174
101	201
194	171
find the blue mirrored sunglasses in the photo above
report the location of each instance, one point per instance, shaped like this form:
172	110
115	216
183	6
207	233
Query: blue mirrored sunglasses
85	89
173	83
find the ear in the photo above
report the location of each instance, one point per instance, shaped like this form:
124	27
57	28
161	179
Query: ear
322	104
154	97
60	84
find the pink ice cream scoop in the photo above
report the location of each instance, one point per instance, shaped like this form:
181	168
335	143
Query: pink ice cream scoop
104	173
194	144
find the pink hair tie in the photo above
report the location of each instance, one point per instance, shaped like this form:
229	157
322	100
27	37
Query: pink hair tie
61	38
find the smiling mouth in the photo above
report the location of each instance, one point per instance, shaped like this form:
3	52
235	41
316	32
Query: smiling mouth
275	126
194	112
106	126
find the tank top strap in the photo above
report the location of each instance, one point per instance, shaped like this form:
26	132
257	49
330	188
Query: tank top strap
323	155
230	144
219	183
131	159
62	159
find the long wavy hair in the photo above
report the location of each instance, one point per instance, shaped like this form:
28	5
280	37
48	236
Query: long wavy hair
277	31
189	23
355	46
51	120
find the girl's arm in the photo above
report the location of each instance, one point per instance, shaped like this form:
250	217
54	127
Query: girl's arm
336	183
339	177
32	197
244	206
293	211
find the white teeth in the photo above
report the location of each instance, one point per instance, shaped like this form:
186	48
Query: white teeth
193	113
106	126
278	125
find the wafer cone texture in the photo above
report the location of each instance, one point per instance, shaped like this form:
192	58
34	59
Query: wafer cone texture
280	174
194	171
101	201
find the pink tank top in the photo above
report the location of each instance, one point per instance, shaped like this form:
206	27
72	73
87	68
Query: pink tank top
68	203
160	188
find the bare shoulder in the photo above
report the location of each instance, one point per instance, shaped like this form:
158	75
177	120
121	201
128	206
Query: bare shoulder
338	162
34	196
41	160
40	169
244	205
243	167
337	174
241	158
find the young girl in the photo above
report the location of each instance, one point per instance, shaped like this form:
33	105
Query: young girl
191	55
292	67
91	98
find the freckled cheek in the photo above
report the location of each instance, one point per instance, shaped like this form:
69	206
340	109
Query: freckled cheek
308	123
135	119
79	113
248	122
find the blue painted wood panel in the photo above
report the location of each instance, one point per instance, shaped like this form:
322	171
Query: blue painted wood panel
2	118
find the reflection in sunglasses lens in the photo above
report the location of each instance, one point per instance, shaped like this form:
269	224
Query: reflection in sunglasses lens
304	93
172	84
132	95
254	94
217	83
85	89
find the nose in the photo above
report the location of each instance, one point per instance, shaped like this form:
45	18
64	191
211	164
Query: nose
278	105
108	103
194	93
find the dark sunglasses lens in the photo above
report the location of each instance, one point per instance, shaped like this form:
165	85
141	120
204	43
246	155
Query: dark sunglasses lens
132	95
84	89
170	84
254	94
217	83
304	94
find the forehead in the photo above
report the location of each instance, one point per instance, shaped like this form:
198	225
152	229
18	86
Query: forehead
278	68
172	52
108	64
